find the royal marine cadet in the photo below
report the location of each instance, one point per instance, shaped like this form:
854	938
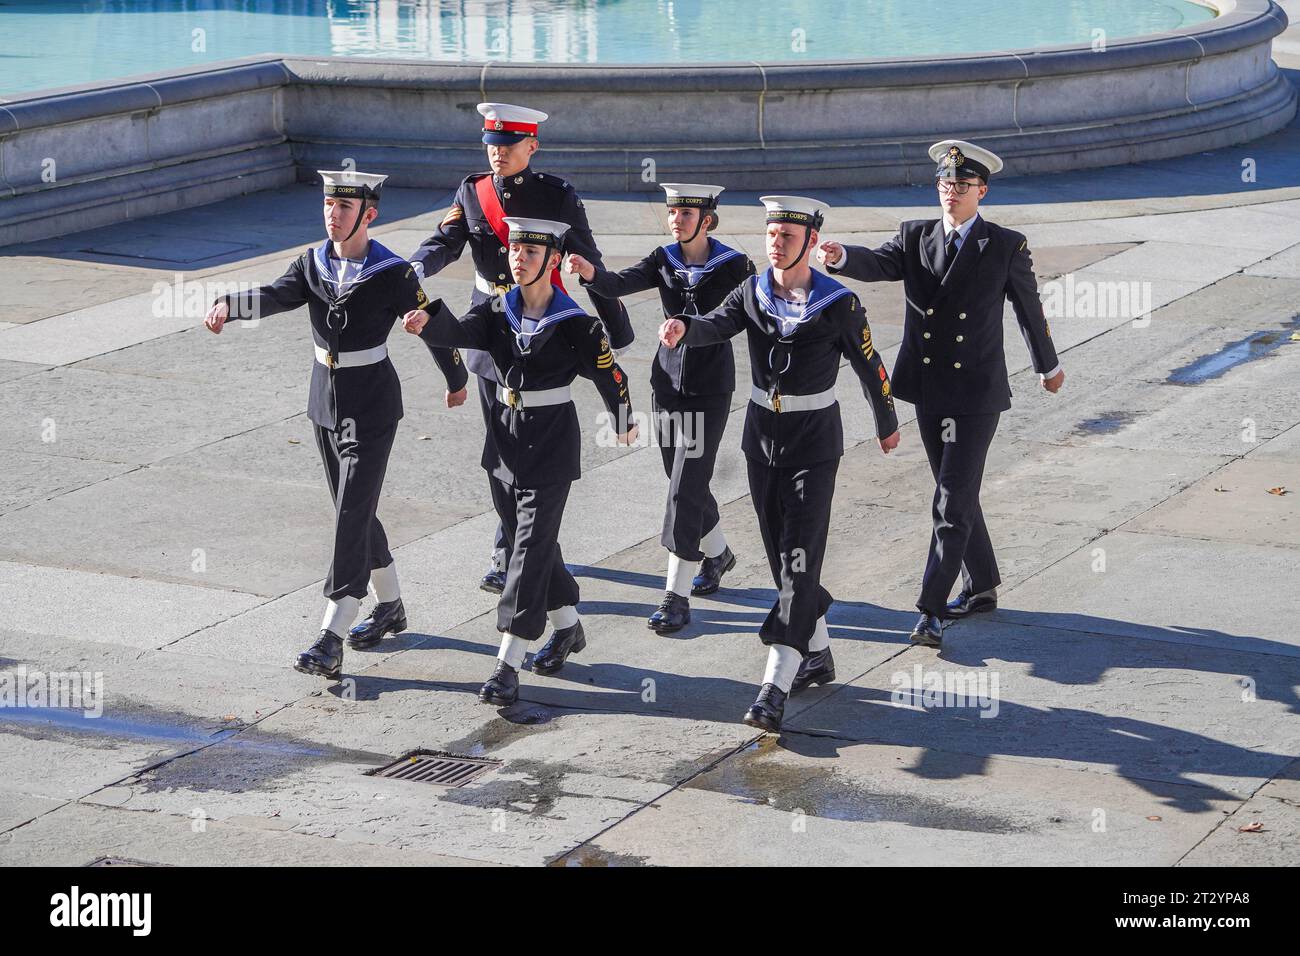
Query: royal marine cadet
538	340
957	271
477	217
354	290
692	388
800	324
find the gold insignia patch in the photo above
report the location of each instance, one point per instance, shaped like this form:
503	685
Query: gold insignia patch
884	389
421	300
453	214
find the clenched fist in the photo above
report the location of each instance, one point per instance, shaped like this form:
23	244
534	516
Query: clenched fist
414	321
575	264
671	332
216	317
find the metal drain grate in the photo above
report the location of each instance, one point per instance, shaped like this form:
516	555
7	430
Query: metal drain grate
437	767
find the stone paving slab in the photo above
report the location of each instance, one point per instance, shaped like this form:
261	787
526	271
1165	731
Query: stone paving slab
848	804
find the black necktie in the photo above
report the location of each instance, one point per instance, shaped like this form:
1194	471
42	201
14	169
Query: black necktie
949	252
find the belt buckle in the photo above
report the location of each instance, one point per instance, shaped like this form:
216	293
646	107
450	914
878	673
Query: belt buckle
329	360
513	398
776	401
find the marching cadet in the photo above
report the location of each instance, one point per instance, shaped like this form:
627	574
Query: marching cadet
538	339
354	290
957	271
477	217
691	396
800	323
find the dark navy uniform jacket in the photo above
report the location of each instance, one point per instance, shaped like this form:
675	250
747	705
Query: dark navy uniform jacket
803	363
533	447
952	360
531	195
349	318
687	370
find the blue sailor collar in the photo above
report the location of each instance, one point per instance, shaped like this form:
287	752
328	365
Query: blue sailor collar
561	308
378	258
824	291
718	254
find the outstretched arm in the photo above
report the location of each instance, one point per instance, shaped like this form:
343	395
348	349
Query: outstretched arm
721	324
410	297
644	275
867	265
445	245
283	295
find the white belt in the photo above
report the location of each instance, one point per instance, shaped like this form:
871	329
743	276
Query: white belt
352	359
792	403
491	288
533	399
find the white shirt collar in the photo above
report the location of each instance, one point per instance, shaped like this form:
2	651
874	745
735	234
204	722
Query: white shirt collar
962	231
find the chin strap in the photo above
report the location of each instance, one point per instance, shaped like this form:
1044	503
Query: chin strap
365	204
545	259
808	231
699	223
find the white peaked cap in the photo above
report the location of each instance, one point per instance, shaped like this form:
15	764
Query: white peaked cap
986	158
535	227
511	114
802	208
690	191
367	182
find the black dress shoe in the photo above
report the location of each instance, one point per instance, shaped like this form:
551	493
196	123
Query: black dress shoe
967	603
557	650
768	709
324	658
817	668
711	571
385	618
502	688
673	614
928	631
494	581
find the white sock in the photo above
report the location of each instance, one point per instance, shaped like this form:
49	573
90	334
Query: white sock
782	664
512	650
339	615
383	583
499	559
714	543
563	617
680	575
821	636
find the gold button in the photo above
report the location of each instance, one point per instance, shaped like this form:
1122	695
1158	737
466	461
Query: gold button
956	364
925	335
931	312
926	360
960	337
962	315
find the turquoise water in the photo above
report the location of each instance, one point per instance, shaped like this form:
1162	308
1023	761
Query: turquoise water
52	44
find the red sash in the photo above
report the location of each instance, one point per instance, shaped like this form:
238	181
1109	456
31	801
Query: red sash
496	217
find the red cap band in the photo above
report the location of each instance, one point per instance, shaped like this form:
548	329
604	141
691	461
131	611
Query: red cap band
501	126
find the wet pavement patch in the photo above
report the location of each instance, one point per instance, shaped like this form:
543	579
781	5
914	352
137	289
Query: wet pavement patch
1249	349
591	855
1105	424
502	731
758	775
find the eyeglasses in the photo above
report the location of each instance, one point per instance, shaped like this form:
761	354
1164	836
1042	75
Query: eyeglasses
948	186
